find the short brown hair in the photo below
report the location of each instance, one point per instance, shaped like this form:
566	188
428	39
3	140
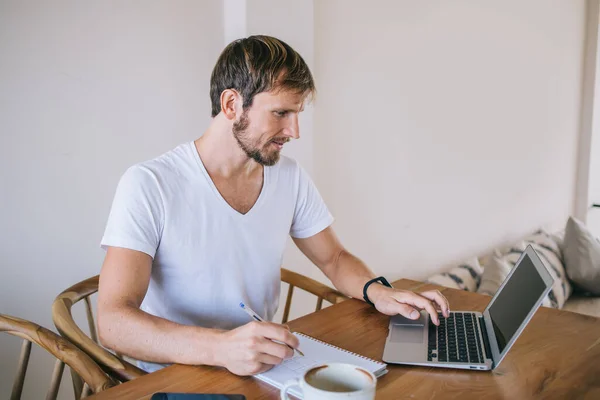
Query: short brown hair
258	64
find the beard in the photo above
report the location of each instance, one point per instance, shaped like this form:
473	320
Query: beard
253	149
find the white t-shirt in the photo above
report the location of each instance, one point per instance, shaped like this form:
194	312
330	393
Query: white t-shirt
207	257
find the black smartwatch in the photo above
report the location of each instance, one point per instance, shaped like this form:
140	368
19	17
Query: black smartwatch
380	280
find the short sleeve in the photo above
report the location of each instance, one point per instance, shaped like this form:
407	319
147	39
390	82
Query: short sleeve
311	214
136	217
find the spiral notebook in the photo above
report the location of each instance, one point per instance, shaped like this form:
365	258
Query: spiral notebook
316	352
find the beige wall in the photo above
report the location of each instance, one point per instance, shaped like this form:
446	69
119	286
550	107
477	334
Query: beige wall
439	130
443	129
86	89
594	176
586	188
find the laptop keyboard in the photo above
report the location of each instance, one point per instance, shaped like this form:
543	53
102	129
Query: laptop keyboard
456	340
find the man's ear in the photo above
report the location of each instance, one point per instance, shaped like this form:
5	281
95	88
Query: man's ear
231	103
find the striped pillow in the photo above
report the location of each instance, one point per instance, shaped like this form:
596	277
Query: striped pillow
548	249
465	277
495	271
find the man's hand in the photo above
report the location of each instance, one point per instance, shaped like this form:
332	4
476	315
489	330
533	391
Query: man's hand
392	301
250	349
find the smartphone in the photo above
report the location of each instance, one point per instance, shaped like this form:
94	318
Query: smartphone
196	396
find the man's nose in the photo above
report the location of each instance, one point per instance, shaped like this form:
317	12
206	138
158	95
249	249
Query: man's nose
292	129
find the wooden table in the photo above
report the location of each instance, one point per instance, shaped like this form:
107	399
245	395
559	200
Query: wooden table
557	356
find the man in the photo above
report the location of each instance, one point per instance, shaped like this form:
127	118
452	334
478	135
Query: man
203	227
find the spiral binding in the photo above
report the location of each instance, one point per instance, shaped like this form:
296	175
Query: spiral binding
339	348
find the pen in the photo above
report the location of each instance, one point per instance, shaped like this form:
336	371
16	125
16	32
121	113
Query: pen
257	317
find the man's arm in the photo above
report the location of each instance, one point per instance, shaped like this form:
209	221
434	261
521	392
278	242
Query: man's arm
349	275
123	327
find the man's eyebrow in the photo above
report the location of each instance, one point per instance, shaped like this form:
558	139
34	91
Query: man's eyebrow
286	109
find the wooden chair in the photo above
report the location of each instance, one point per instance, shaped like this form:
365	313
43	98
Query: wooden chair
95	380
323	292
114	364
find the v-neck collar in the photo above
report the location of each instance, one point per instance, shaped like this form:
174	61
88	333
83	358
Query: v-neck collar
221	199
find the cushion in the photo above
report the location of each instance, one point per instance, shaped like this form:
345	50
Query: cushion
466	276
582	256
496	270
583	305
546	246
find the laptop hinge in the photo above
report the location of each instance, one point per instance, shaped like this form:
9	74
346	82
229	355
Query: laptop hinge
486	341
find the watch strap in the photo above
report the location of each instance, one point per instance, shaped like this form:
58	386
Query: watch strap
380	280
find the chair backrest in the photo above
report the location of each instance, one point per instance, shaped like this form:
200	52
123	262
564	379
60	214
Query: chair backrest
115	365
62	316
65	352
323	292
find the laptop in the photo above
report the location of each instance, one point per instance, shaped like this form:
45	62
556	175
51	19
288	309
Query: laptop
473	340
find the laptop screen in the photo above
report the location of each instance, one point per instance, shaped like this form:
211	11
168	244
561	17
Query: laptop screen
515	301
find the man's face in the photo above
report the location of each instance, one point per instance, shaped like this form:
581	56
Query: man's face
268	124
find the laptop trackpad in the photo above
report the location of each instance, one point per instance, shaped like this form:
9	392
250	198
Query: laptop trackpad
407	334
401	320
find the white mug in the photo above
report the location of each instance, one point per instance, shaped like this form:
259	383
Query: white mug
334	382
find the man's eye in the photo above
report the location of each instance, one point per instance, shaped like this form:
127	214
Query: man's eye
281	113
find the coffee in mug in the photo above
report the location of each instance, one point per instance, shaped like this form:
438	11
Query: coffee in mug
334	381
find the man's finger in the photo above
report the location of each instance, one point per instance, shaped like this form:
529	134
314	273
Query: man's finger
439	298
278	332
405	310
428	306
423	303
276	349
269	359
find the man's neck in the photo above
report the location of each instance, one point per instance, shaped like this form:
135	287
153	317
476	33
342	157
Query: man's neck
221	154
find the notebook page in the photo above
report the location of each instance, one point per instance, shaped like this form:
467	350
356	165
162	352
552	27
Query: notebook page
316	353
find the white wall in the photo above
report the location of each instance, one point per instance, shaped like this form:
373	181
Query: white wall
446	128
593	118
594	176
86	90
439	130
587	165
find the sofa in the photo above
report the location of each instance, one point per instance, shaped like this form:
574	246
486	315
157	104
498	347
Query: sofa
572	256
